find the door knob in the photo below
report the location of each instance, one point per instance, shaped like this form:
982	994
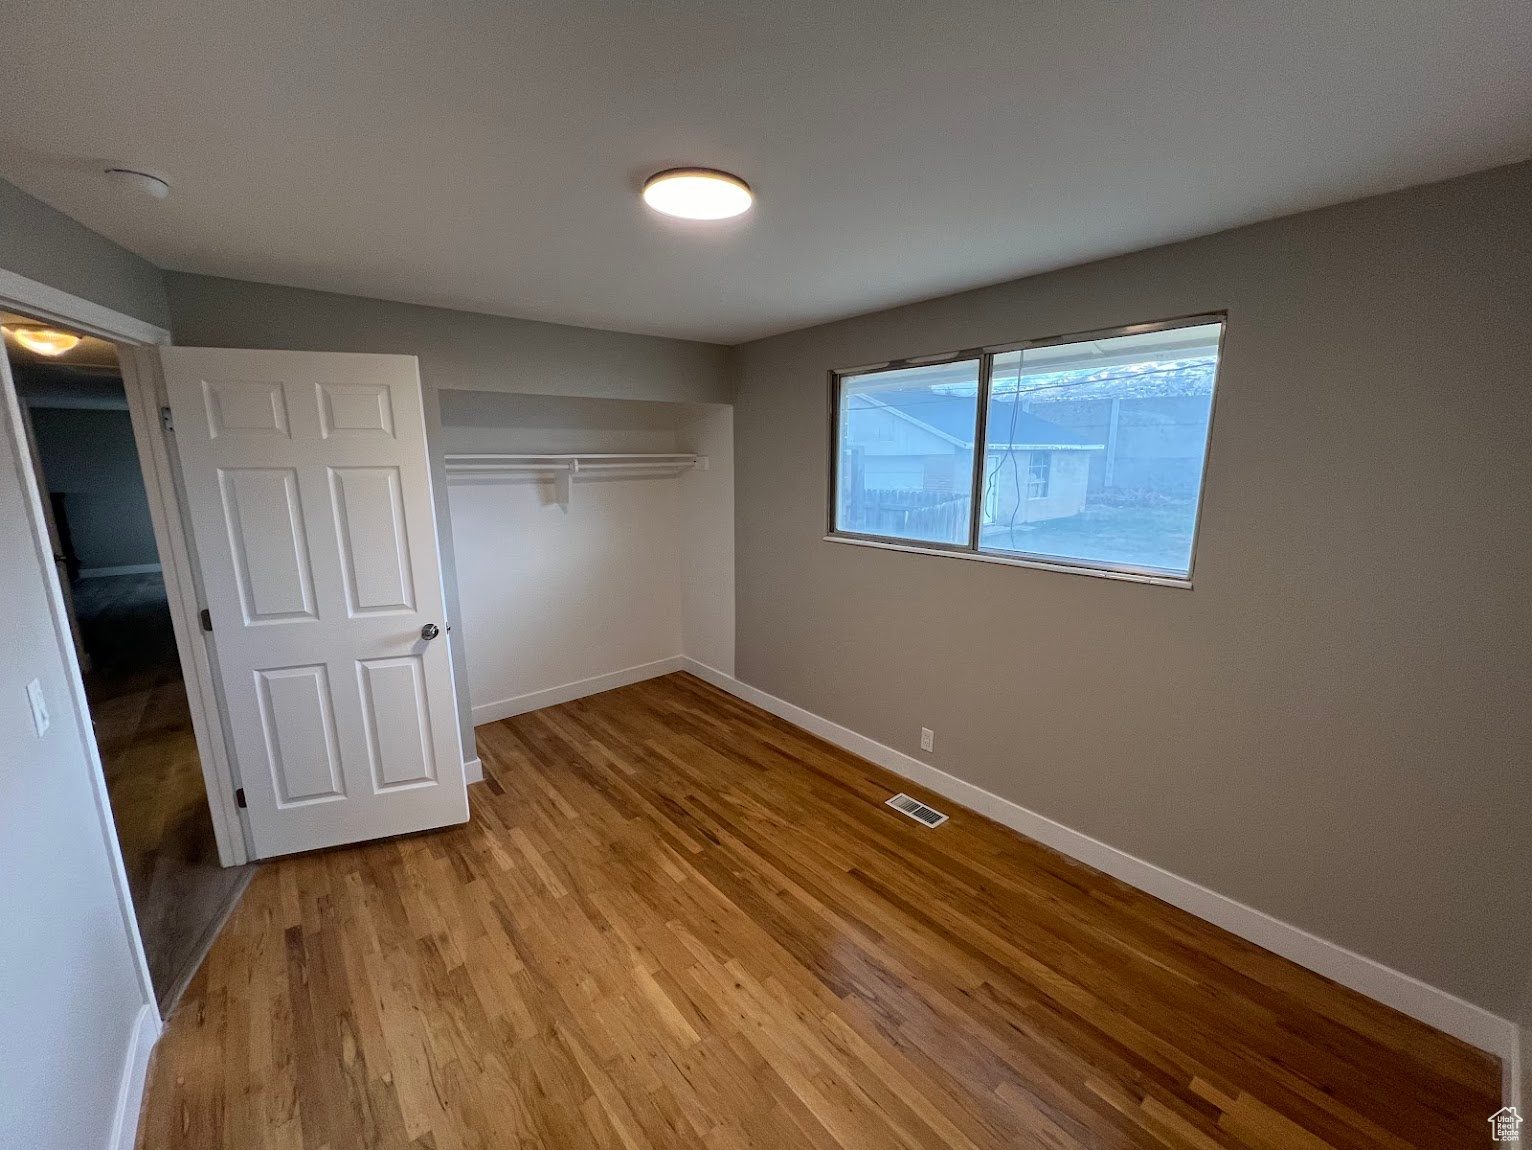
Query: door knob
430	631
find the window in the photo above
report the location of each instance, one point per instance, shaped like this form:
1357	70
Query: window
1089	454
905	452
1038	469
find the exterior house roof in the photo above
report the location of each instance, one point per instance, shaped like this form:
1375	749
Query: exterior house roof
1145	380
951	418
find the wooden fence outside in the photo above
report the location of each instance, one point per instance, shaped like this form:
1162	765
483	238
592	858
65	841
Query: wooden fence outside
935	515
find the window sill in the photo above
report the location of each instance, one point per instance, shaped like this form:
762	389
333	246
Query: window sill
1008	561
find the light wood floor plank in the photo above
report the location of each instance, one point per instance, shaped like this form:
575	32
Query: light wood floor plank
676	921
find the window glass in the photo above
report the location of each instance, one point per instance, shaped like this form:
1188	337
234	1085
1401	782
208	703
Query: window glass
1094	450
905	452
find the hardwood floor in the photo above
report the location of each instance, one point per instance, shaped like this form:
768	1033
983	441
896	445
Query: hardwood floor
676	921
153	775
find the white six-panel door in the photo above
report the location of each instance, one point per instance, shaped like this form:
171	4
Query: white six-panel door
309	496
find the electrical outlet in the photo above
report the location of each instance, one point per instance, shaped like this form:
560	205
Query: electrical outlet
927	739
40	718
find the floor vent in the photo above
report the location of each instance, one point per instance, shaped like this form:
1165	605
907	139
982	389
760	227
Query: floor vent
917	810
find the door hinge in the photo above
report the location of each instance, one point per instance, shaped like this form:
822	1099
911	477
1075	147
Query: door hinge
166	420
239	798
207	619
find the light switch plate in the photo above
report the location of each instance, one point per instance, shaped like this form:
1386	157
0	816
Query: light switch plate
40	718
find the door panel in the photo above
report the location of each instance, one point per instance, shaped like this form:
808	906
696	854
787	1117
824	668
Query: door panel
265	526
245	409
302	748
374	545
310	501
355	410
393	694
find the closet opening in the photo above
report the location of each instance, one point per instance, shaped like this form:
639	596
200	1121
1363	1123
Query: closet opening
593	539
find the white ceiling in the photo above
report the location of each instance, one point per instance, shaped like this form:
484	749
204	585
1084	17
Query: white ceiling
486	154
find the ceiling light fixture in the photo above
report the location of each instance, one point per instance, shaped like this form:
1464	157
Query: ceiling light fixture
44	340
697	194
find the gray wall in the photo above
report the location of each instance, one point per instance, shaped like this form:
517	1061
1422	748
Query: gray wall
48	246
1523	1089
1525	1086
1333	727
89	456
458	351
465	351
71	985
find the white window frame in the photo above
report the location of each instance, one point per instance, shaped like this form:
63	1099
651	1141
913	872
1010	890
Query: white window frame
972	550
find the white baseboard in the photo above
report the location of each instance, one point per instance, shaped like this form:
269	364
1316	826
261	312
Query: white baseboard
552	696
135	1076
129	569
473	771
1405	993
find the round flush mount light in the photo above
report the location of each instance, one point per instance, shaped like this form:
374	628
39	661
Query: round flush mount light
697	194
43	340
139	183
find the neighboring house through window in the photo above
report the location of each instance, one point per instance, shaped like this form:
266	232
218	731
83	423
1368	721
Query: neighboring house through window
1089	452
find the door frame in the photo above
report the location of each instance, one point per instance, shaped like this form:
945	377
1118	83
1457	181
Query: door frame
145	389
144	383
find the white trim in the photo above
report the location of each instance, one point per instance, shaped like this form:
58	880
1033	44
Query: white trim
135	1077
552	696
126	569
1435	1007
143	384
18	293
473	771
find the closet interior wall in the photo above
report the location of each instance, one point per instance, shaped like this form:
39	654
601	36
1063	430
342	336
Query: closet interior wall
632	575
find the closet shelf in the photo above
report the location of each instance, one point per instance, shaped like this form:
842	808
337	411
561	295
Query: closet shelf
562	469
600	463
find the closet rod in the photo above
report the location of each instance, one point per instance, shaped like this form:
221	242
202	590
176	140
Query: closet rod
574	463
564	469
667	456
464	467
